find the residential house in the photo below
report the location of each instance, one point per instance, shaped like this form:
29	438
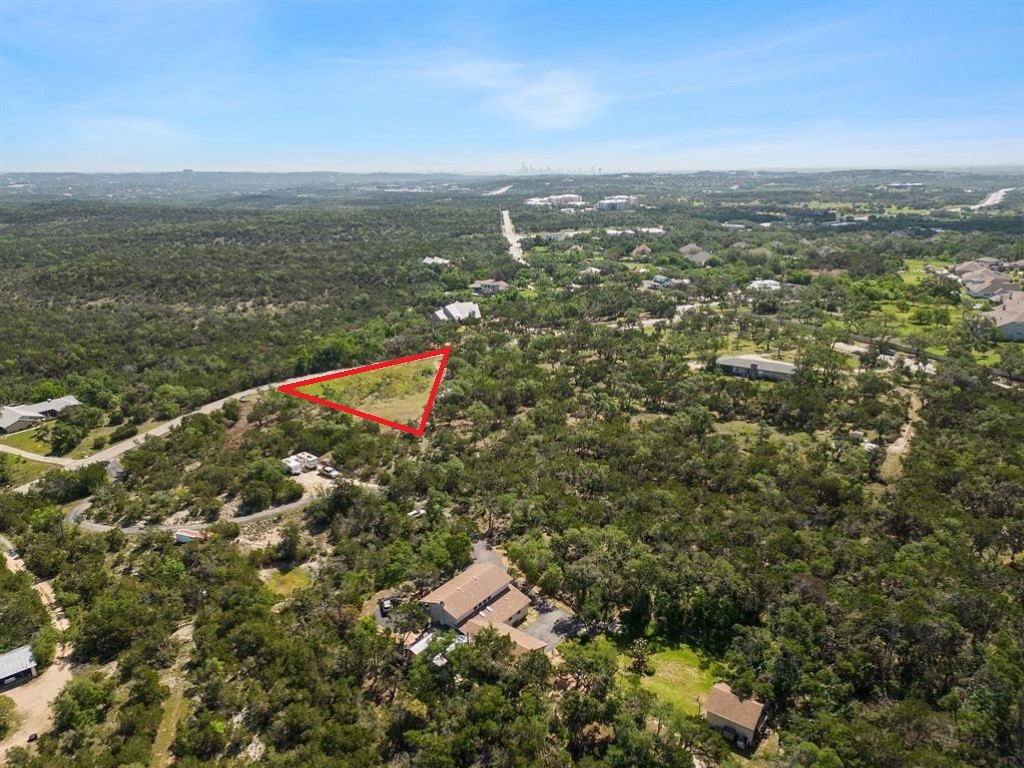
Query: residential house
457	311
458	599
737	719
524	643
764	285
754	367
17	666
1009	317
488	287
432	260
14	418
481	597
698	257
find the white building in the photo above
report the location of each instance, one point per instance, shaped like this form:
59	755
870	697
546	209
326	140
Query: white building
617	203
552	201
457	311
436	260
764	285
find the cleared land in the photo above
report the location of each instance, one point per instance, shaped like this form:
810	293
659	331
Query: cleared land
683	676
398	393
285	583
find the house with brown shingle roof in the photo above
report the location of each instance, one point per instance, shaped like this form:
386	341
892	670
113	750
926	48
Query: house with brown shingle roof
738	719
465	594
482	596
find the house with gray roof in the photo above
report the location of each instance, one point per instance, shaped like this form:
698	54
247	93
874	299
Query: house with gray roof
754	367
14	418
457	311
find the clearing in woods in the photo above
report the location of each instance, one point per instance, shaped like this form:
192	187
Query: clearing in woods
398	393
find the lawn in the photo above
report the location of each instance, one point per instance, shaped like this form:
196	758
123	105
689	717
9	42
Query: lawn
26	441
398	393
682	675
284	583
26	470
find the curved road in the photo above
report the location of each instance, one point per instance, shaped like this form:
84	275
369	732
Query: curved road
110	453
34	456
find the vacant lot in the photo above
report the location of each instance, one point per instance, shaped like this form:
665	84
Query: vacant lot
397	393
284	583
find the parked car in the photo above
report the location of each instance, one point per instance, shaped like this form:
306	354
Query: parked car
329	472
387	605
32	737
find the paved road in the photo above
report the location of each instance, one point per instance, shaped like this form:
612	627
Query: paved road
515	247
994	199
112	452
74	515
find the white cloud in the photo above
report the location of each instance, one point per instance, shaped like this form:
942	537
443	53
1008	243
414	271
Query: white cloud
550	100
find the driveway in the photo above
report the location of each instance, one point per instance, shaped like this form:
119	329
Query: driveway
483	553
32	699
553	625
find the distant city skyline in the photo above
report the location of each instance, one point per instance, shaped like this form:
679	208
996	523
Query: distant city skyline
496	87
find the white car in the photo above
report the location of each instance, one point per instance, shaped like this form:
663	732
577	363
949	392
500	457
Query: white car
329	472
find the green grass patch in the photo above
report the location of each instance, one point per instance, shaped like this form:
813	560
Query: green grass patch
682	676
284	583
26	441
26	470
397	393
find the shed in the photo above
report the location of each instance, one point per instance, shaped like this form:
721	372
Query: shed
17	666
738	719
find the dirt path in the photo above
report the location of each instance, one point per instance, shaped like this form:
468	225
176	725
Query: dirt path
33	699
892	467
176	706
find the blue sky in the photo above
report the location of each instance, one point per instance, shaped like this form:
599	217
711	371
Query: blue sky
484	87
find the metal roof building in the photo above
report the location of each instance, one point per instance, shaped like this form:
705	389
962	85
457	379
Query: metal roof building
16	663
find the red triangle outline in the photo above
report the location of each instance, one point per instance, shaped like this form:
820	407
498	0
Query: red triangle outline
444	352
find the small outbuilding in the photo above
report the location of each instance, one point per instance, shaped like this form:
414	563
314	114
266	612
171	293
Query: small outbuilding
738	719
17	666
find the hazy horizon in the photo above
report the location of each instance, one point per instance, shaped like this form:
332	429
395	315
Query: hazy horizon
489	89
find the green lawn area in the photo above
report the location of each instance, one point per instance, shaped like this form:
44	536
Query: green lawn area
285	583
682	674
26	470
26	441
397	393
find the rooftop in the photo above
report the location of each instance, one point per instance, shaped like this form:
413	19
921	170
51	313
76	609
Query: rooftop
726	704
763	364
524	642
470	588
505	607
17	661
